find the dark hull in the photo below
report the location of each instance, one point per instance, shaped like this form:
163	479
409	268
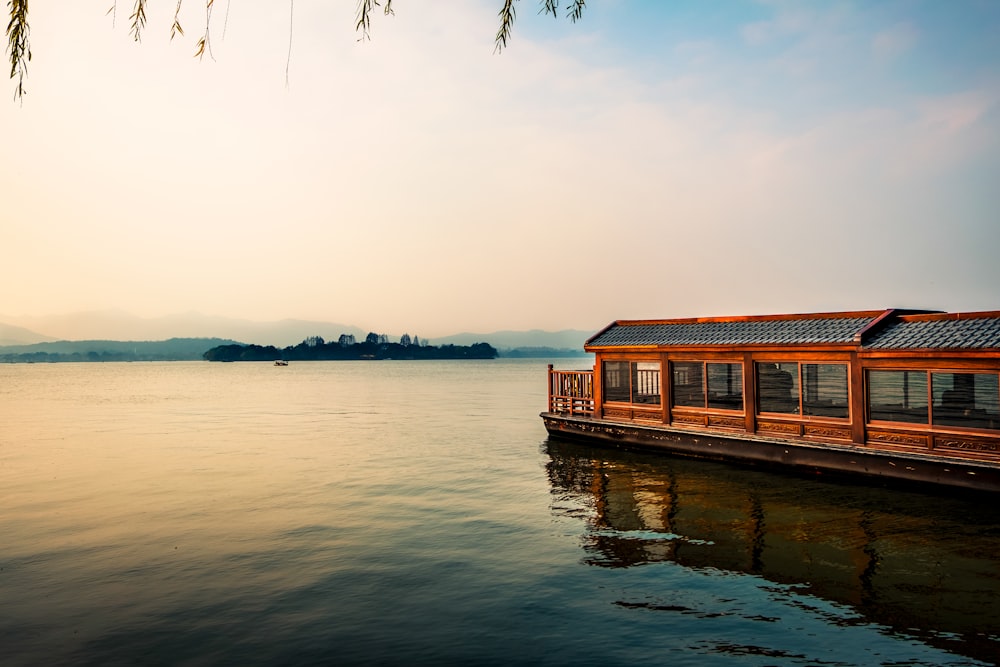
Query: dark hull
811	457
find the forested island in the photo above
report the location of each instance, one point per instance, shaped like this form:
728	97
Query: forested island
223	349
374	347
174	349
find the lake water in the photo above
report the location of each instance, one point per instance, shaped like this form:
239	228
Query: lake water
404	513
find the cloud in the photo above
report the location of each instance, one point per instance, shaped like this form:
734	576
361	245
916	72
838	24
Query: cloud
697	52
890	44
789	19
950	115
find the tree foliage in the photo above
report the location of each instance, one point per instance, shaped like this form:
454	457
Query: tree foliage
374	347
17	43
174	349
19	50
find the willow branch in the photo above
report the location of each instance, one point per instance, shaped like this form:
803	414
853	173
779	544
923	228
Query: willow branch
363	23
291	19
175	28
205	43
507	15
364	20
17	44
575	12
19	49
138	18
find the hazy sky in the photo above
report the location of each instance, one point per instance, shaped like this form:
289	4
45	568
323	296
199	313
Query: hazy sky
654	160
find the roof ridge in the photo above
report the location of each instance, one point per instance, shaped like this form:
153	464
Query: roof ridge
845	314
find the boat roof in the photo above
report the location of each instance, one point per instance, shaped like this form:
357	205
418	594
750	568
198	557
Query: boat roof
975	331
891	329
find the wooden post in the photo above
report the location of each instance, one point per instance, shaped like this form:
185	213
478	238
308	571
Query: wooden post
549	376
598	390
749	394
857	400
666	383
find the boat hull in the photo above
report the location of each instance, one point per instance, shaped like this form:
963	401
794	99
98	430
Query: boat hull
809	457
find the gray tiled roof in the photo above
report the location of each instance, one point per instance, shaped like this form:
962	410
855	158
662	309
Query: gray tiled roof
752	332
972	333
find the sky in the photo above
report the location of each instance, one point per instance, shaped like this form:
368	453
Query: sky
652	160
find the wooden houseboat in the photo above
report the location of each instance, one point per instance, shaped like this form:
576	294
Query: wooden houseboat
899	394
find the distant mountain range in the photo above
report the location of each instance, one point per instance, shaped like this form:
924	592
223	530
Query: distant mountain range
117	326
122	326
11	335
173	349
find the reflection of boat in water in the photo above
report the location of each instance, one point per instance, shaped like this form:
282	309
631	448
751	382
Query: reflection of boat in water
280	362
921	565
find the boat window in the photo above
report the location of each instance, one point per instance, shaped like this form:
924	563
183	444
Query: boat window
824	390
778	387
688	385
635	382
646	382
897	396
725	386
699	384
616	381
969	400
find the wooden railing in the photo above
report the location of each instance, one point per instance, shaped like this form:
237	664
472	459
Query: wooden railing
571	392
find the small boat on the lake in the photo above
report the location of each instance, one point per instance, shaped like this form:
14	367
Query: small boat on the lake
897	394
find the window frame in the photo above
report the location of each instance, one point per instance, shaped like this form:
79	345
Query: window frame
799	414
929	373
704	406
901	424
631	383
803	389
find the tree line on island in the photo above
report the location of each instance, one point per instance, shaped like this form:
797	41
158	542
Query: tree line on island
374	346
173	349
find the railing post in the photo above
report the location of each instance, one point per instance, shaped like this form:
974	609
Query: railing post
551	404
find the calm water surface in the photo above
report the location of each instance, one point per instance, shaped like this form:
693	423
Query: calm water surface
416	513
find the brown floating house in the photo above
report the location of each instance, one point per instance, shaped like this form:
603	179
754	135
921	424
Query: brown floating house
901	394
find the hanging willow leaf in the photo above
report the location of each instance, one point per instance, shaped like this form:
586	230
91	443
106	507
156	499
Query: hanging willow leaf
176	28
507	15
575	12
138	18
364	15
205	43
364	20
17	44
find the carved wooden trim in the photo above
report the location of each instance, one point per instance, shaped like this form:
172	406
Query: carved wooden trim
689	419
898	438
617	412
778	427
835	432
947	442
726	422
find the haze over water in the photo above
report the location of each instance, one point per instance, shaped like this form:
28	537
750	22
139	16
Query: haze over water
416	513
